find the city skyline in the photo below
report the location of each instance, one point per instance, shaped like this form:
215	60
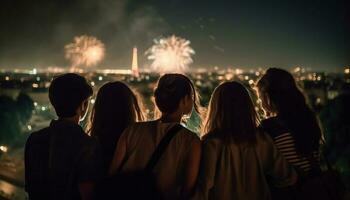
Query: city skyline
134	68
222	33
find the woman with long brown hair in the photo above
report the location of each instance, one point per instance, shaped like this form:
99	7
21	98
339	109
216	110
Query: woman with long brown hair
237	157
176	170
290	121
292	125
116	107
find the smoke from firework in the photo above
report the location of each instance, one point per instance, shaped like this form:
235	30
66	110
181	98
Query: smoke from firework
171	54
84	51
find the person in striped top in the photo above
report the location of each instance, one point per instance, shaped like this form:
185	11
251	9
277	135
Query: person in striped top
291	122
285	143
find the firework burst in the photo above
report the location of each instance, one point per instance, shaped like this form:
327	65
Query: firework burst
84	51
171	54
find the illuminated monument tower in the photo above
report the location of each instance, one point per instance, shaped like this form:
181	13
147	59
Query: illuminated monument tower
134	65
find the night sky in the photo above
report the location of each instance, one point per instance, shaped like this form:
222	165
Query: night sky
250	33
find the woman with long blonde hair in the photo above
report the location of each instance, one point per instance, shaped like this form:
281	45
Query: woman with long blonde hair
236	156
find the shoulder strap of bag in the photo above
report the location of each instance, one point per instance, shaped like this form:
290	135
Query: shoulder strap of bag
158	152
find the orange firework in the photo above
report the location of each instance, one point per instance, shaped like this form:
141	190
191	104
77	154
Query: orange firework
84	51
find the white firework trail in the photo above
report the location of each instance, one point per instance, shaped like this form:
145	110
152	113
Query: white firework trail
170	54
84	51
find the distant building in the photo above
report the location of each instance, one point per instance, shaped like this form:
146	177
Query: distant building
134	65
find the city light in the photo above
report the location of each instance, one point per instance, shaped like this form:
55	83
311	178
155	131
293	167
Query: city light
318	100
347	71
47	84
4	149
34	71
238	71
229	76
297	69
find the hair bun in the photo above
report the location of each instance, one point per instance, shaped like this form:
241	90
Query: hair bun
163	93
170	90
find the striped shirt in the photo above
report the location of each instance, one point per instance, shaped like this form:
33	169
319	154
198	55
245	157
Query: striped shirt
285	143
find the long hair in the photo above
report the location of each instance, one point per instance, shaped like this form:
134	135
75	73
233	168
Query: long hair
115	108
171	88
289	103
232	114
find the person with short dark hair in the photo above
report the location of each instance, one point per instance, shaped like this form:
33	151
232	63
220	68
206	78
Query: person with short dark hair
67	93
61	161
176	171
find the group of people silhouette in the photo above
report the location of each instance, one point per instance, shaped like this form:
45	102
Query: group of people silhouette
239	154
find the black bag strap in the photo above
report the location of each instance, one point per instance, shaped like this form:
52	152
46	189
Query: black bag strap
163	144
158	152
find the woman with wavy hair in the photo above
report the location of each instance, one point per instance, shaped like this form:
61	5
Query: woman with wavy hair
237	158
290	121
176	171
116	107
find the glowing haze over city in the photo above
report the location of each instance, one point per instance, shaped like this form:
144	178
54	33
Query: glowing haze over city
39	34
